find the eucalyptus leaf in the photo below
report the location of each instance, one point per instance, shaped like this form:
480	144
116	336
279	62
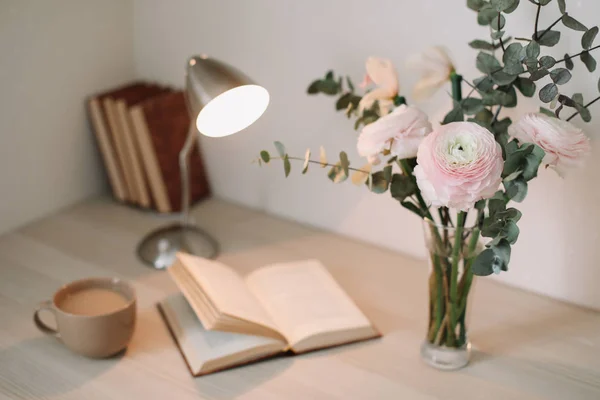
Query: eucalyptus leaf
588	60
584	113
484	262
513	7
562	6
487	63
329	87
512	55
516	190
336	174
495	97
544	2
588	37
548	92
280	149
350	84
481	45
569	62
485	116
502	78
475	5
484	83
532	50
412	207
322	157
578	98
313	88
486	14
560	76
306	161
514	69
402	186
548	38
343	102
572	23
265	156
379	183
287	167
329	75
344	162
502	5
472	105
547	112
547	62
498	22
526	86
455	115
495	35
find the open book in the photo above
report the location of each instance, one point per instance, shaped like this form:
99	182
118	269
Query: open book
226	320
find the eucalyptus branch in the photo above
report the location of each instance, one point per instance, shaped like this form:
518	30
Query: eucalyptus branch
500	38
548	29
578	54
586	106
524	39
537	20
320	163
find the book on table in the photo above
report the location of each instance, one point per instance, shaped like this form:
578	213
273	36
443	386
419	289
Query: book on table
221	319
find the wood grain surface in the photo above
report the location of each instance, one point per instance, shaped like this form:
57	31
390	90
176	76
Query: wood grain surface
527	346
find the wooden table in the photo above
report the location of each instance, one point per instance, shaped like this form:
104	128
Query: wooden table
529	347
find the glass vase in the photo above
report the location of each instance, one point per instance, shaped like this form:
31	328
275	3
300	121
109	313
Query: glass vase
451	252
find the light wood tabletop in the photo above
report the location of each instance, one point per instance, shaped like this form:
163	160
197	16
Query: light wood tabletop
527	346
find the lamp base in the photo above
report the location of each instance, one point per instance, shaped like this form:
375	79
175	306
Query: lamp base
159	247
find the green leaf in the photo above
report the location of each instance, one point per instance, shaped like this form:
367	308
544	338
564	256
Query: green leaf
343	101
495	35
412	207
560	76
379	183
548	38
455	115
548	92
513	7
496	203
512	55
543	2
487	63
514	69
502	78
486	14
286	165
495	97
266	157
336	174
502	5
584	113
329	87
547	112
589	61
572	23
475	5
516	190
532	163
578	98
484	83
344	162
539	74
329	75
498	22
402	186
350	84
569	62
509	214
481	45
484	263
313	88
306	161
510	231
485	117
526	86
472	106
511	99
588	38
532	50
547	62
280	149
562	6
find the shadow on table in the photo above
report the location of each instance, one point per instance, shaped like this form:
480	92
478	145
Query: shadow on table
43	367
235	382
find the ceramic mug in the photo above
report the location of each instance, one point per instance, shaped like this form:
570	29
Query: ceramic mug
95	334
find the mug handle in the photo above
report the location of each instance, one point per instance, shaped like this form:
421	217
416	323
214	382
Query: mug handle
46	305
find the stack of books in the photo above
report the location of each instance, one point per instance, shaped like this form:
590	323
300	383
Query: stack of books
140	129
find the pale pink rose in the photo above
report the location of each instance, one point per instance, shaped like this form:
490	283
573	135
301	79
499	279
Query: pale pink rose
381	72
435	67
401	132
459	164
566	145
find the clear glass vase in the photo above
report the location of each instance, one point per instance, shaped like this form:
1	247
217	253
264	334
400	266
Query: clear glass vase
451	252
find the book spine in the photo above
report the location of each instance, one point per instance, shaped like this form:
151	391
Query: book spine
157	185
108	155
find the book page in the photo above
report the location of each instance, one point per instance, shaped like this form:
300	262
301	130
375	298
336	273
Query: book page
304	300
206	351
226	290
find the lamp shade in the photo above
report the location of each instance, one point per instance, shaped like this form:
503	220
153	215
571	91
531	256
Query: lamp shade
222	99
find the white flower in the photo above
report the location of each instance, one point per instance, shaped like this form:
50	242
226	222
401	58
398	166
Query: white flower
566	145
381	72
400	132
435	67
459	164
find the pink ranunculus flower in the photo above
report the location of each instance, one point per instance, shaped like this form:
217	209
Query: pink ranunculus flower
566	145
381	72
401	132
459	164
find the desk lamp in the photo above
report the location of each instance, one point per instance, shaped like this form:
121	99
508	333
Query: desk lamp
221	101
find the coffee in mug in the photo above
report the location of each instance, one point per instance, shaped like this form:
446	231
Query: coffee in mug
95	317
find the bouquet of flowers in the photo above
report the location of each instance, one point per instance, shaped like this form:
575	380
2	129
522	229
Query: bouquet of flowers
462	176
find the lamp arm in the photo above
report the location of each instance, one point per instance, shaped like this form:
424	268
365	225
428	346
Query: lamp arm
184	170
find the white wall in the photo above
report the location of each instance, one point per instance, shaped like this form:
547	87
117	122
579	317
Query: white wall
53	55
286	44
